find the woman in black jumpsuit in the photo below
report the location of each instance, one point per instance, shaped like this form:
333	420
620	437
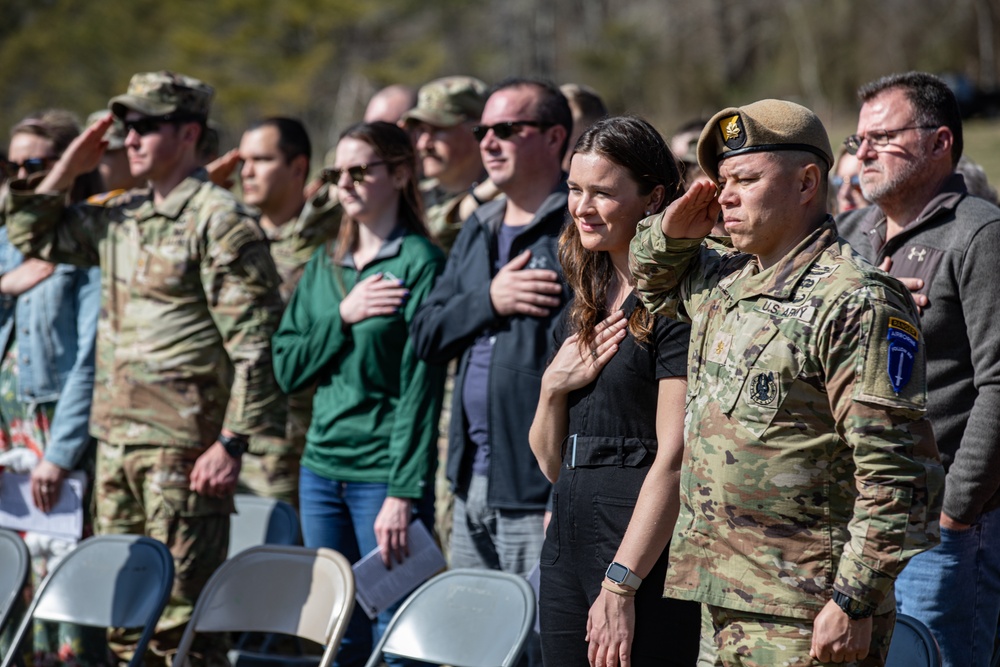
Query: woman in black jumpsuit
608	431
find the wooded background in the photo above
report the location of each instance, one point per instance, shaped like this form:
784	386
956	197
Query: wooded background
668	60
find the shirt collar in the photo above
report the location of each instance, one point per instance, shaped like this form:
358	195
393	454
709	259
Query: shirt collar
175	202
390	248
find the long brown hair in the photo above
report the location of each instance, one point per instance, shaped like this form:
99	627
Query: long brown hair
392	145
635	145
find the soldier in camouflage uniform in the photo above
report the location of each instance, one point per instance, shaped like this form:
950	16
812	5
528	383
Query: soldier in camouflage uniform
189	302
810	474
276	154
441	128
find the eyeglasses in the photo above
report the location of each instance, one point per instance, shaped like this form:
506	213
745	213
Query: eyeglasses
878	138
838	181
150	124
32	165
507	130
356	173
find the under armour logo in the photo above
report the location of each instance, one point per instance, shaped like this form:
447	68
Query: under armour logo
917	254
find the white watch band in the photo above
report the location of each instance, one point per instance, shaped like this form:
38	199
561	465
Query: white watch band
620	574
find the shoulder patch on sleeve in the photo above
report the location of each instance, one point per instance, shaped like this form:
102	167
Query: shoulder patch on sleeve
894	371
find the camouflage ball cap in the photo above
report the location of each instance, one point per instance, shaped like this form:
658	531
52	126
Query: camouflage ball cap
162	93
449	101
764	126
115	136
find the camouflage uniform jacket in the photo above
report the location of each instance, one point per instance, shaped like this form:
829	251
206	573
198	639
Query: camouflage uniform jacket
445	211
189	302
292	245
804	470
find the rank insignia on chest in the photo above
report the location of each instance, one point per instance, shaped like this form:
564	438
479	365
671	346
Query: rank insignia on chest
902	337
763	388
719	350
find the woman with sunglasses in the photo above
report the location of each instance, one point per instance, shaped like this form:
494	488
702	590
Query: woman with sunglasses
608	431
368	464
48	324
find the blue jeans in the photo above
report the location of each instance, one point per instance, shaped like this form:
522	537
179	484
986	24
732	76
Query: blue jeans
341	516
955	590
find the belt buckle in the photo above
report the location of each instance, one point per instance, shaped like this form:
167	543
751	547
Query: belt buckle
572	456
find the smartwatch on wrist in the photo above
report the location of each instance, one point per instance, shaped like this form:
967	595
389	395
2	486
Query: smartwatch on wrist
855	610
623	576
235	445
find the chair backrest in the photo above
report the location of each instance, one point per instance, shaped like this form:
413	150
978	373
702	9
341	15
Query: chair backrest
13	573
262	521
463	618
121	581
913	645
307	593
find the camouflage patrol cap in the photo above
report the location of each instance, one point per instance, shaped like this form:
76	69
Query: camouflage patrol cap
162	93
449	101
764	126
115	136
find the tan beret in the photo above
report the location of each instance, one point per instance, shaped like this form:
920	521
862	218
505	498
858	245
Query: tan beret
764	126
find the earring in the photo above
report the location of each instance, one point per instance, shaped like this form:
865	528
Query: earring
647	214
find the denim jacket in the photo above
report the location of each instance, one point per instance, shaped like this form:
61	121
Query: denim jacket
56	329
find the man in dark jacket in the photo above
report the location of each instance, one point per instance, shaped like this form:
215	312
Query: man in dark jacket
496	306
944	243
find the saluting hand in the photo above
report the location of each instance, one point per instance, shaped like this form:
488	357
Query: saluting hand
82	155
693	214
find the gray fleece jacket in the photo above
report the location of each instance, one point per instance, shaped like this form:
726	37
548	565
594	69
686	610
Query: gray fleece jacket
954	247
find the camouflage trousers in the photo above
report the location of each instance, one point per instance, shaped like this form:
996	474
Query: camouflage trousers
144	490
758	640
271	476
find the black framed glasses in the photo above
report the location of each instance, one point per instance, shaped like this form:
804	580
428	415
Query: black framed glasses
32	165
879	138
508	129
355	173
838	181
150	124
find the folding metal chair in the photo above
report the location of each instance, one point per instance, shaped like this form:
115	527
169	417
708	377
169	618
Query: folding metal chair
306	593
120	581
913	645
13	574
262	521
462	618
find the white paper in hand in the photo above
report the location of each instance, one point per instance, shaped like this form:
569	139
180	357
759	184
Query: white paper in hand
18	511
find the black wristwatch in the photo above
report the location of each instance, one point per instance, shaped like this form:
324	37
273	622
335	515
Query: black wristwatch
855	610
235	445
621	575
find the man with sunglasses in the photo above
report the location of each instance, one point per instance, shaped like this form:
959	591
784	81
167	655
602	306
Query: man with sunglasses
189	302
944	243
275	154
495	307
441	127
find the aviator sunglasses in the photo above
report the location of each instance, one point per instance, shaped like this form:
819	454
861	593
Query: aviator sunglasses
508	129
356	173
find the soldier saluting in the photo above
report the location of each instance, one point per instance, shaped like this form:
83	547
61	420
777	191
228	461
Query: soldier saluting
189	302
810	473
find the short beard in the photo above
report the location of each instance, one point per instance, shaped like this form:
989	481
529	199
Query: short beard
889	188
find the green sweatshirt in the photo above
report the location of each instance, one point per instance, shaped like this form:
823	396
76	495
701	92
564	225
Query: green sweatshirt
375	412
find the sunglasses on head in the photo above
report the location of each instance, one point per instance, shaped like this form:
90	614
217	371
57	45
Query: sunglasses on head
507	130
150	124
356	173
32	165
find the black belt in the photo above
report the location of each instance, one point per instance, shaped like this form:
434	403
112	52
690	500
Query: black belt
588	450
